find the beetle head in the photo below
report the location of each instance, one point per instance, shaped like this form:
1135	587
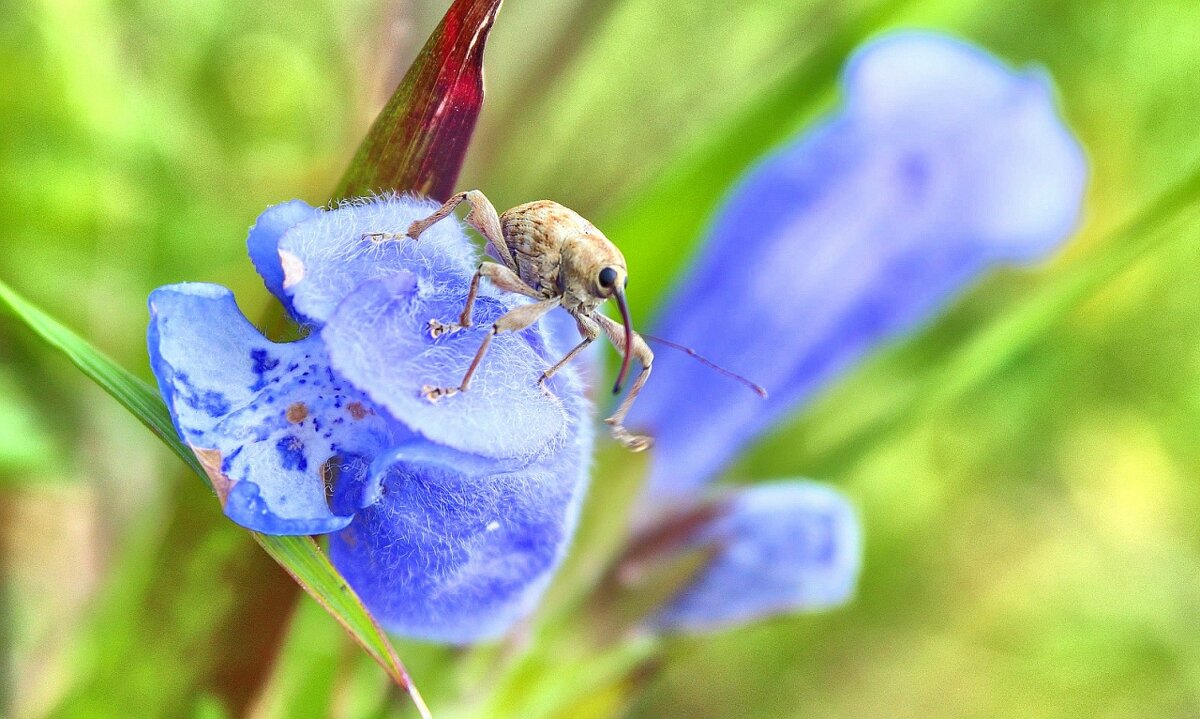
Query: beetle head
592	267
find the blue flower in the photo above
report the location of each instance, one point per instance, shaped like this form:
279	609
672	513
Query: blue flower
775	548
940	164
450	518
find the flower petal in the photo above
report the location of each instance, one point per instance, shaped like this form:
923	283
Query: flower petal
941	162
942	91
777	548
325	258
275	427
263	243
378	339
457	551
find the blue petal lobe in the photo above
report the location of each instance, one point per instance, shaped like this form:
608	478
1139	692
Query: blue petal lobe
459	547
325	258
378	339
777	548
1022	171
263	243
941	163
282	436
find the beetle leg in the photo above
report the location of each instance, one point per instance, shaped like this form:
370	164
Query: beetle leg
482	217
441	213
378	237
501	277
514	320
547	374
641	351
590	331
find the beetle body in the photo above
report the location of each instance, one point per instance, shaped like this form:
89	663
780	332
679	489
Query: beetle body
556	252
550	253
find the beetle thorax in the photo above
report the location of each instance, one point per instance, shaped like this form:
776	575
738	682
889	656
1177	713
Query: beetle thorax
560	253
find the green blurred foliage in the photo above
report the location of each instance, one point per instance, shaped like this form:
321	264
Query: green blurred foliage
1025	466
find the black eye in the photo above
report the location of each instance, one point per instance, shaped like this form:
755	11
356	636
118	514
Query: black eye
608	277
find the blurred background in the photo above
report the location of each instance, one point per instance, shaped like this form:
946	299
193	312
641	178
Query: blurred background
1025	466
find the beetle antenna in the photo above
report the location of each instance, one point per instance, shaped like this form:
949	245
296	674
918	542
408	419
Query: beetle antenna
620	295
696	355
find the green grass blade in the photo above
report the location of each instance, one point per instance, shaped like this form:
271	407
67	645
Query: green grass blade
301	557
134	394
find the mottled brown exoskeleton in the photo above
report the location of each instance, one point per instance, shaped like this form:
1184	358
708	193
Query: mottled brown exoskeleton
550	253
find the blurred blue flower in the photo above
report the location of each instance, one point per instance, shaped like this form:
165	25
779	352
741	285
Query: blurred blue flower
775	548
941	163
452	517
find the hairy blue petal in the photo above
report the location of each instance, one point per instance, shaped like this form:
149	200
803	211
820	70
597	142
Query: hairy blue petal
457	550
286	441
776	548
941	162
263	243
378	339
326	258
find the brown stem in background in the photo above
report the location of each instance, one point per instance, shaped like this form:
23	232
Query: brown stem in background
653	568
7	669
215	609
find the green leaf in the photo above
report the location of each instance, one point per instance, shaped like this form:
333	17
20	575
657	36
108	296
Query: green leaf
299	556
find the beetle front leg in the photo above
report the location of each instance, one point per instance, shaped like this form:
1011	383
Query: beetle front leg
501	277
548	373
482	217
589	330
643	354
514	320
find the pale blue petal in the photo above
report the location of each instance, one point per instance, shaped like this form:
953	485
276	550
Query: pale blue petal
263	243
776	548
326	258
379	340
273	423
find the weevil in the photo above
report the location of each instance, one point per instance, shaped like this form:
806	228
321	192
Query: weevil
551	254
